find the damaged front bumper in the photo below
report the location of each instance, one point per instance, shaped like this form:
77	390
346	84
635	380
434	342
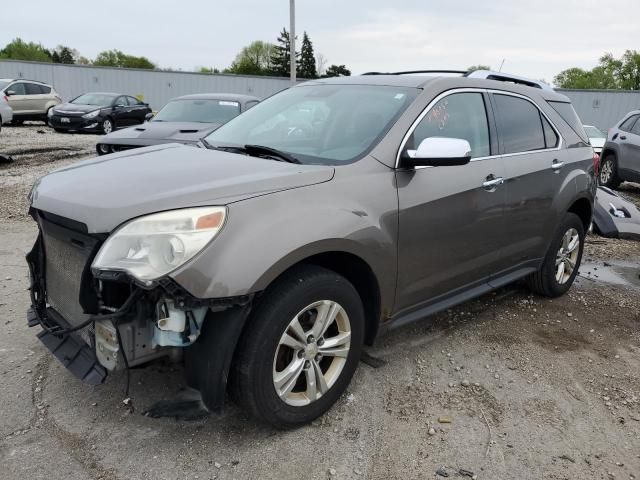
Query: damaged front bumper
94	325
614	216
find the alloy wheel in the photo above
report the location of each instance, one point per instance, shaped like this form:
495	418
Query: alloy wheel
107	126
606	172
311	353
567	256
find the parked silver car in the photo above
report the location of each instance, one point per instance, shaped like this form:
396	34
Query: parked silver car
328	213
621	152
29	99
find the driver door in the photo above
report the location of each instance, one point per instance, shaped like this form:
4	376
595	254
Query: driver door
451	223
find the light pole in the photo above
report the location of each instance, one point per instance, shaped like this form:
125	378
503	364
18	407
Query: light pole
292	39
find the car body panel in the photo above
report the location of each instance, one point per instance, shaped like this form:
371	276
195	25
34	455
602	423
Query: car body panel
154	179
623	141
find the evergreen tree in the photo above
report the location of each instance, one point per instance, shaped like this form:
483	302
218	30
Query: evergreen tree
307	66
337	71
280	59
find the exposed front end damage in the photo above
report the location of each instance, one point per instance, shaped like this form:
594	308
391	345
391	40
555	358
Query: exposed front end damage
616	217
98	323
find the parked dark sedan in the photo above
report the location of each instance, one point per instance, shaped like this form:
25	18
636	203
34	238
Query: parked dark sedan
185	120
98	112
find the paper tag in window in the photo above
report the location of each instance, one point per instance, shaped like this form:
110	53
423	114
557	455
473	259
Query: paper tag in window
399	96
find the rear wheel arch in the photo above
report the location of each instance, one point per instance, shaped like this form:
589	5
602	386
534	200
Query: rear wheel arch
583	208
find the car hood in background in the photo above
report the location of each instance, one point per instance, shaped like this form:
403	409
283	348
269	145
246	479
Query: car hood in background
151	133
76	108
597	142
106	191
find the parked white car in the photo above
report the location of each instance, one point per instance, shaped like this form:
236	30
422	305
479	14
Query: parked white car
597	138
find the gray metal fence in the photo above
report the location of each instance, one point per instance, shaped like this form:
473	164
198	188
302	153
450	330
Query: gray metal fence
155	87
603	108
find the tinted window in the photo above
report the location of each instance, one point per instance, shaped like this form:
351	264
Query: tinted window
569	115
133	101
636	128
550	135
45	89
519	124
33	89
121	101
321	124
628	123
461	115
18	89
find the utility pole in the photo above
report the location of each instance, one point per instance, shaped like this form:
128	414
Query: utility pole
292	39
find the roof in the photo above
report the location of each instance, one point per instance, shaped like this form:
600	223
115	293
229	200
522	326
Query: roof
411	81
22	80
235	97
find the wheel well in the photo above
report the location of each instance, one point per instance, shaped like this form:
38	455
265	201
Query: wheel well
359	273
607	152
582	208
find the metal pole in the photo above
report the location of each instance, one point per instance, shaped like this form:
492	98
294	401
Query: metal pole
292	39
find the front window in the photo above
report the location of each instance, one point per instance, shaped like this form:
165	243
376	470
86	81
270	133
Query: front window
203	111
321	124
94	99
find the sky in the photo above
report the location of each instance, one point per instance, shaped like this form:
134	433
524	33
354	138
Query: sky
535	39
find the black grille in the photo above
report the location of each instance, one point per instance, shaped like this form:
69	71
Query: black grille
67	256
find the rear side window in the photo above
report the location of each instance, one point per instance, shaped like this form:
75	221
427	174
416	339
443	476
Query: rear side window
519	124
636	128
44	89
33	89
460	115
569	115
627	125
550	136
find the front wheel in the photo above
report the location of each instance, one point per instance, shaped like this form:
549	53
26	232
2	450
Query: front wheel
107	126
609	172
301	347
562	261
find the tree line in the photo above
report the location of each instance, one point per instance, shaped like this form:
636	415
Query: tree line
257	58
610	73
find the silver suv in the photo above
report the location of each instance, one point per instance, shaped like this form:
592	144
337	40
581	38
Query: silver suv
29	99
330	212
621	152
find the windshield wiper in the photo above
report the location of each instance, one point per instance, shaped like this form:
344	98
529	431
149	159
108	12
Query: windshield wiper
272	152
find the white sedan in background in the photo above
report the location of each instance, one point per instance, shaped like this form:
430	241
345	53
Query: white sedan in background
597	138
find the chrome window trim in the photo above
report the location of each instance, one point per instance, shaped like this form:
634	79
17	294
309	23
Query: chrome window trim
479	90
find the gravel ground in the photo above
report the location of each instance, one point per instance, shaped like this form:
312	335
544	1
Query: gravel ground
506	386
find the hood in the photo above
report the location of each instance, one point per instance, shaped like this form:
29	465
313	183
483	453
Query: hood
106	191
167	131
597	142
77	108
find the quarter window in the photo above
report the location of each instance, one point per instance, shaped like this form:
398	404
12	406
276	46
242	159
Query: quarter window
550	136
459	115
33	89
519	124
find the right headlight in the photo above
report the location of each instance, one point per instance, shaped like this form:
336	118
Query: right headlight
152	246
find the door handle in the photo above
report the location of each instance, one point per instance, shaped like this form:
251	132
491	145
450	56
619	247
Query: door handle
556	165
623	137
492	182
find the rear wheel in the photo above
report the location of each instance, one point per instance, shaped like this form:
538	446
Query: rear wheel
562	261
103	149
609	172
300	349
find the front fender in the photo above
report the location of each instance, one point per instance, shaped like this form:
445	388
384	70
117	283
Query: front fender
264	236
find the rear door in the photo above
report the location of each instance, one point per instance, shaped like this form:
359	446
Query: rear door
535	168
451	225
121	111
137	110
35	98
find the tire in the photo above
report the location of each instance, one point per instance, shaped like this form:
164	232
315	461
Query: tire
103	149
608	175
60	130
107	126
261	358
17	122
546	281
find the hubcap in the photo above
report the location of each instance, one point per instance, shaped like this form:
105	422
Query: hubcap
567	256
104	148
106	126
311	353
606	172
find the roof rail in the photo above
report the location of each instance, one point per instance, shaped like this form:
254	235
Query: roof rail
507	77
409	72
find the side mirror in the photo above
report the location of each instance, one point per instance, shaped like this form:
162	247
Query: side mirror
148	117
439	152
10	92
118	106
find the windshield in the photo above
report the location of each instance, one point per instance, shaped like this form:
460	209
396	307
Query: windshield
326	124
204	111
593	132
94	99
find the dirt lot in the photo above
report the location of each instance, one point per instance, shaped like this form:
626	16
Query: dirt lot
507	386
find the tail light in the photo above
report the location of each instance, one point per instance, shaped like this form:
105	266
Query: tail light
6	98
596	163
